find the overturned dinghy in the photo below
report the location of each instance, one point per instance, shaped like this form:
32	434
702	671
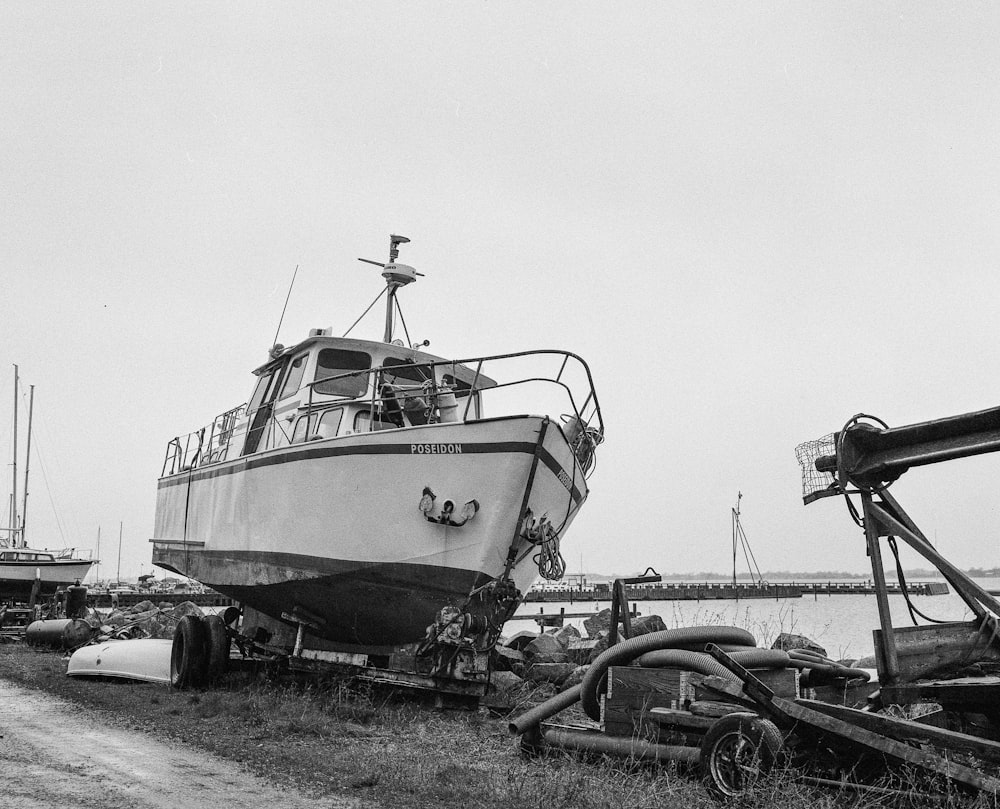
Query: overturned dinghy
363	502
146	659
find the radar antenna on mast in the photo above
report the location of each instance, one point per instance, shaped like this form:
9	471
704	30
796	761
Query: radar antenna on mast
396	276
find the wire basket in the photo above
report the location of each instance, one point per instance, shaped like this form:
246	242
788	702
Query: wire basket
816	484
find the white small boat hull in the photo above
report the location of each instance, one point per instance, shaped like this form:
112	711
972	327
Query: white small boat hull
145	659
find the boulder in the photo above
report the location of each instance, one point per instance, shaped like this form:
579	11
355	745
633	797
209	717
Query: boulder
555	673
186	608
504	682
601	644
579	651
520	640
646	624
575	678
507	659
566	635
545	649
142	606
599	622
786	641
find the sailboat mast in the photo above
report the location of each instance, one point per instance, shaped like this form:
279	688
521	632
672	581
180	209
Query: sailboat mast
27	464
13	498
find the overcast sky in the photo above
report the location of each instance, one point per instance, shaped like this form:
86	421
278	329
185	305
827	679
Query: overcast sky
753	220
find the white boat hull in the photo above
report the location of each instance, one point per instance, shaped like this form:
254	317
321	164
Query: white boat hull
146	659
332	528
18	578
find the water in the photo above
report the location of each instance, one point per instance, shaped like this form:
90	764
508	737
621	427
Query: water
842	624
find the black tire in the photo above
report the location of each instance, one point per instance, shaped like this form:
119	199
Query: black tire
189	654
217	635
737	752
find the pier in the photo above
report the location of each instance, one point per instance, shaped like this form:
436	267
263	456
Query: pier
708	591
208	599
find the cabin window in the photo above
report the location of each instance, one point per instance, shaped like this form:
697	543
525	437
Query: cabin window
335	361
362	420
264	384
324	425
405	372
462	390
329	423
294	377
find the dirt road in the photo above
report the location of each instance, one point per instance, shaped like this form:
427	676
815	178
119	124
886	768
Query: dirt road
54	753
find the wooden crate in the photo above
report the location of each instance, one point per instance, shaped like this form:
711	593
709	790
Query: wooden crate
633	692
783	682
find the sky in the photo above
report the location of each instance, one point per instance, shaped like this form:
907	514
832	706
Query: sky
753	220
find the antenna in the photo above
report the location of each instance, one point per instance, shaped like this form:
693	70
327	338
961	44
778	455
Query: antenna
289	295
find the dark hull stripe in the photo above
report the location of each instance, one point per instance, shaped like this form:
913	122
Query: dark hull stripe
313	453
366	604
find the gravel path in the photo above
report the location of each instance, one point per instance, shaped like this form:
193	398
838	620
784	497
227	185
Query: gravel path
54	754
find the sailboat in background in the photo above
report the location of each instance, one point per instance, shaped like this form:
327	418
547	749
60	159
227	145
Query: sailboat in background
21	566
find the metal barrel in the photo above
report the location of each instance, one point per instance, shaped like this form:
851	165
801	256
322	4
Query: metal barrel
59	633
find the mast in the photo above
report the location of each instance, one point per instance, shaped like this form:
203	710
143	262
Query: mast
396	276
13	497
27	463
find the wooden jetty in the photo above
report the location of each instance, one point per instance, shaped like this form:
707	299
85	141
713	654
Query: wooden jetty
708	591
207	599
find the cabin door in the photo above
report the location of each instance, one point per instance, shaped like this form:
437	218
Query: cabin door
261	406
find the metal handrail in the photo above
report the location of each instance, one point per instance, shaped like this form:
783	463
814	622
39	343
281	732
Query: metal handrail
222	428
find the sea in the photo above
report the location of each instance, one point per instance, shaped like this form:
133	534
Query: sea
841	624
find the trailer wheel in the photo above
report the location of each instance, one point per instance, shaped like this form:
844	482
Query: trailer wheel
189	654
737	751
217	663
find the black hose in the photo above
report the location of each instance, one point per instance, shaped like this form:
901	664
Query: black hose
748	658
595	683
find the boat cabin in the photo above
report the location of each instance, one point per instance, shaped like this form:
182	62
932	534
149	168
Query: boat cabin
22	555
330	386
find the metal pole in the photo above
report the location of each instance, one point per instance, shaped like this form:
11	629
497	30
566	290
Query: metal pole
118	576
888	656
13	499
389	305
27	464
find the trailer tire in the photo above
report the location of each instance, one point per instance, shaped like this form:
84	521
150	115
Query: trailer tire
217	637
737	752
189	653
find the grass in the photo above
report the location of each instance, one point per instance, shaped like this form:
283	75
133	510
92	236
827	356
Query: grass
332	738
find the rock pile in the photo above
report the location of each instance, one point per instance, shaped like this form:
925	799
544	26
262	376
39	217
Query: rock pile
142	620
556	659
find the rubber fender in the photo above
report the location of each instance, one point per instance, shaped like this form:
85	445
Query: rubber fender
540	713
594	681
189	653
748	658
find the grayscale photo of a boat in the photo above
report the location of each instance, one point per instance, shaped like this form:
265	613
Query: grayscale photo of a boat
30	572
376	502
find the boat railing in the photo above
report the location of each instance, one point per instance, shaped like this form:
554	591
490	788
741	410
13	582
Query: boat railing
395	398
202	446
75	554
